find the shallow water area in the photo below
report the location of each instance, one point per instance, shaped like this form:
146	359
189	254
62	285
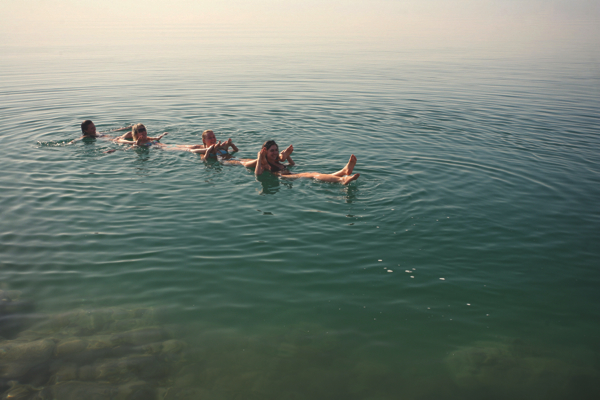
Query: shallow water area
461	264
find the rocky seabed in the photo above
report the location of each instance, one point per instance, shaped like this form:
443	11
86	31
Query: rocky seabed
110	353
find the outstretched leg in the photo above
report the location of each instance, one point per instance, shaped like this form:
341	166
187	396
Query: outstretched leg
246	162
347	170
344	180
284	155
347	179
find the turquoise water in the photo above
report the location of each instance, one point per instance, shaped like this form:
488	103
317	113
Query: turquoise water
462	264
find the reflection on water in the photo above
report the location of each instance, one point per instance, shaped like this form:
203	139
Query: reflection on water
270	184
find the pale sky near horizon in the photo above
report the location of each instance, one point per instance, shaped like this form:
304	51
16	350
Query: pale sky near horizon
76	22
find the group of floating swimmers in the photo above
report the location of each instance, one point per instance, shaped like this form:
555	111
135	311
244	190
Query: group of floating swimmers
268	158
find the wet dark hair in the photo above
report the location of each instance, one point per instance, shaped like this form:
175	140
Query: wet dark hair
269	143
274	167
85	124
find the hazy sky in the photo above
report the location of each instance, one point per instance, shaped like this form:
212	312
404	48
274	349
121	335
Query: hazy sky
56	22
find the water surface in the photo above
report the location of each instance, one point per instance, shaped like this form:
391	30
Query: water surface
461	264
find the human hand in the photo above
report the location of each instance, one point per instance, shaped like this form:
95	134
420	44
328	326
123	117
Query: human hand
262	153
232	145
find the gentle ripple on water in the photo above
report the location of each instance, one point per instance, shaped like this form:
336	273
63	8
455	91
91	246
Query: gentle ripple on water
479	176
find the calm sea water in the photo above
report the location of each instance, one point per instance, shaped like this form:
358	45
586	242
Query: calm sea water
462	264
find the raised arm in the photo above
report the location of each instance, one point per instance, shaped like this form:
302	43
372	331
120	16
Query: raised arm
157	138
208	151
261	157
229	143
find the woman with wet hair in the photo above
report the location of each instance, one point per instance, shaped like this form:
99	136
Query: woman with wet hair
269	158
141	139
128	137
211	148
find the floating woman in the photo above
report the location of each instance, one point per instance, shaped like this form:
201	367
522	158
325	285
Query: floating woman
212	148
268	158
141	139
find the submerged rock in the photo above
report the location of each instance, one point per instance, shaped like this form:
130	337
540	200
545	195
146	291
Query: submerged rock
82	322
173	346
70	347
21	392
15	313
182	393
124	369
140	336
9	294
17	357
513	370
76	390
15	306
110	353
66	373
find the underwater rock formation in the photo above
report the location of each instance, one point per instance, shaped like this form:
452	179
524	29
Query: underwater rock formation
514	369
110	353
15	313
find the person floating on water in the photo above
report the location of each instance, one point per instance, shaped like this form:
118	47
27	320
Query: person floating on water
89	132
285	155
212	148
269	158
129	135
140	138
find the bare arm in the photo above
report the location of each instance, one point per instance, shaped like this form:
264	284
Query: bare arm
157	138
128	135
226	145
76	140
258	169
122	141
210	150
230	144
198	151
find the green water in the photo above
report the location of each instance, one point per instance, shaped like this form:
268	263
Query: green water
462	264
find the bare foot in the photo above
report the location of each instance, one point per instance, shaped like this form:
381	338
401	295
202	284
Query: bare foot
347	170
347	179
110	151
286	153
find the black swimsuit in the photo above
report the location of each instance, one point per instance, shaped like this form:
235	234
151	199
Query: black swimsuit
279	169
